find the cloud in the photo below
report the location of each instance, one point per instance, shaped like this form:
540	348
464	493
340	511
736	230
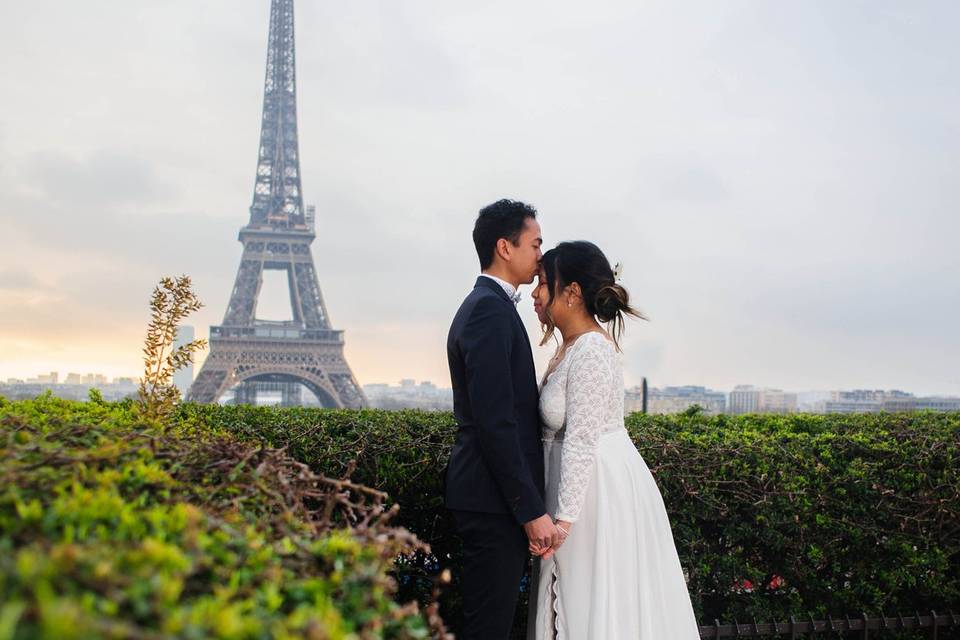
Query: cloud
103	178
19	280
781	182
694	183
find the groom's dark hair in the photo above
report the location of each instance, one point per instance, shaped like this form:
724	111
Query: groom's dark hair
502	219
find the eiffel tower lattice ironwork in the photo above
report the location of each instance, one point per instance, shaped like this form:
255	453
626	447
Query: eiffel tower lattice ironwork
306	350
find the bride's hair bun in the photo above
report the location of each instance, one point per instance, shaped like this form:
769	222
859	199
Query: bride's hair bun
584	263
610	301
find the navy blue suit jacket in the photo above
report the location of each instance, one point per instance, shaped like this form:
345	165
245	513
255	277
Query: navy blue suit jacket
496	465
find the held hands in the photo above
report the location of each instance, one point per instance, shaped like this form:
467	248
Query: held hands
546	546
541	532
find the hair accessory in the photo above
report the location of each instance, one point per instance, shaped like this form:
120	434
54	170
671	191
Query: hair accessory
618	271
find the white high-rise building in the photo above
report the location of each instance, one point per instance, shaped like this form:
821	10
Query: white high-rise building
678	399
777	401
750	399
744	398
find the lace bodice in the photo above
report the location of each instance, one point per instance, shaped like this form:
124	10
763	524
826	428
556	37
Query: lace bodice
581	400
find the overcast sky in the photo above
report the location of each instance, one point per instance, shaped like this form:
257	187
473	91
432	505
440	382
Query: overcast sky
780	179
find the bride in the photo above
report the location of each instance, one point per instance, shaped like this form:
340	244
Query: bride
616	573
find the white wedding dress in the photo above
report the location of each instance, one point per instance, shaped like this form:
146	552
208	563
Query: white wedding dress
617	576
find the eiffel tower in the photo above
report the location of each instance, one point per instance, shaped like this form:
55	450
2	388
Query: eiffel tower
256	355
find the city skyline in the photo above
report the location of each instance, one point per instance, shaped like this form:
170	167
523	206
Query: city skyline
424	395
780	182
94	378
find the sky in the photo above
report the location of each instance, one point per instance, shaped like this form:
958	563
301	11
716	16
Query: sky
780	180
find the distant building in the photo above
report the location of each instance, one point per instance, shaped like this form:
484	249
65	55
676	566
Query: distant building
750	399
777	401
938	403
89	379
75	387
894	401
93	379
679	399
409	395
744	398
812	401
633	400
183	378
865	401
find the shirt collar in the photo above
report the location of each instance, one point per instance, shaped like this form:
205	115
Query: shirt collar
509	288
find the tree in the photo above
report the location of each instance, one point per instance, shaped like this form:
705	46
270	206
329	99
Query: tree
172	301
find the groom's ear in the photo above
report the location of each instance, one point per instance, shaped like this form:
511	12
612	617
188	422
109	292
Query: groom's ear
502	249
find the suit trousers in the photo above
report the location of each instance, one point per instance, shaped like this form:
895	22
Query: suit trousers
495	555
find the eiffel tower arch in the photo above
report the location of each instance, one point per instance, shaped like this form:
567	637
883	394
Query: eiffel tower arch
246	352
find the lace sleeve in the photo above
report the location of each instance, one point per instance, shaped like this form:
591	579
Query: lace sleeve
588	380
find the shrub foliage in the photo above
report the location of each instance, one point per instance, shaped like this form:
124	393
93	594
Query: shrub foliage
227	521
111	527
772	515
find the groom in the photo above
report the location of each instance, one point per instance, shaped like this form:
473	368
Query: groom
494	481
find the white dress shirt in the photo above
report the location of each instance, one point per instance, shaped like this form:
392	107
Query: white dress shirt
509	288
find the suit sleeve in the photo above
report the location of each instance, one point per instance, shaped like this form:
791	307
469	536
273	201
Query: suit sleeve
486	343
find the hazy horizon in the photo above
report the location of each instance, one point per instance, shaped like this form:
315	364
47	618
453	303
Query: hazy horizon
781	181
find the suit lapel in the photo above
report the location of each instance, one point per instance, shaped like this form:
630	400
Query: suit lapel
483	281
523	330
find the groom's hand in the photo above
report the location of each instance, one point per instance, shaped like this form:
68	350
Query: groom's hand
541	532
563	527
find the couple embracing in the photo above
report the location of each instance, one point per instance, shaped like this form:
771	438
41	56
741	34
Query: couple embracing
549	469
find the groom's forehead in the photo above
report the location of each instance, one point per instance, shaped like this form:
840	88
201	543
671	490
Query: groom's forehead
533	226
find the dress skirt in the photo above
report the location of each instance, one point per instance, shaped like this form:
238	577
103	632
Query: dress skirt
617	576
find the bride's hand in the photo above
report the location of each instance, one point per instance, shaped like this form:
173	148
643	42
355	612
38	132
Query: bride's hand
564	527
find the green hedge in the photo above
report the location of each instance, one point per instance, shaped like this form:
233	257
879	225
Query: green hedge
772	515
114	528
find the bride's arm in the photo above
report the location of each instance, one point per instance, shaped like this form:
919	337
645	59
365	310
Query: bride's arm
587	382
